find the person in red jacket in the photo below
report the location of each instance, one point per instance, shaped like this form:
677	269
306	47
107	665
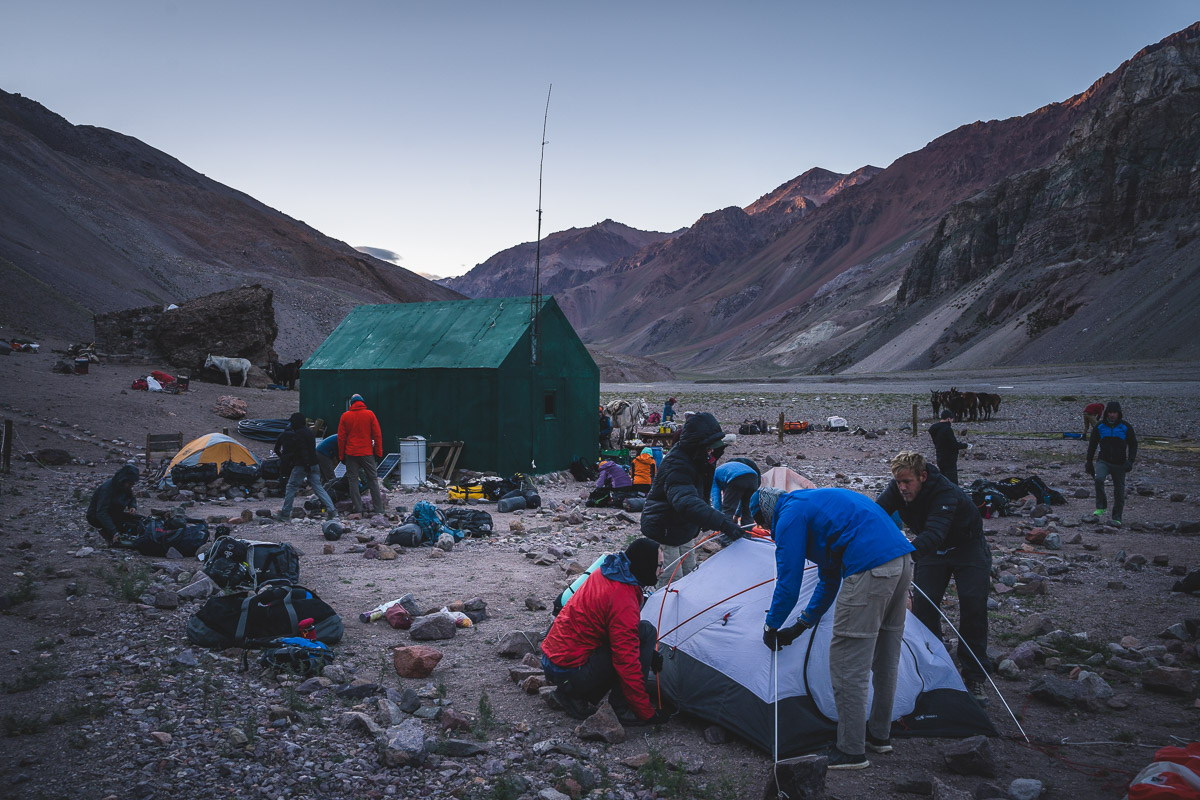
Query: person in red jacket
599	644
360	445
1091	416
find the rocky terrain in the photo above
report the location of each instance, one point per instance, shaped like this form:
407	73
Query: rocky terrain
104	697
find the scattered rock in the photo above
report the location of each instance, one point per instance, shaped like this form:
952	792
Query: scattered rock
603	726
534	604
970	756
1168	680
432	627
944	791
462	748
417	661
402	745
1025	789
715	734
800	778
1059	692
515	644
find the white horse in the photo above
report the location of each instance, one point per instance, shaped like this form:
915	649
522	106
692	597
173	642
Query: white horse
227	365
626	417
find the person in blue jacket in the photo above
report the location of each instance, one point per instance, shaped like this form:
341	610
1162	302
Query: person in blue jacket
863	560
606	427
327	457
734	485
669	410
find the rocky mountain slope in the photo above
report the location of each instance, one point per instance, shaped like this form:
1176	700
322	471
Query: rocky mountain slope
972	251
577	251
92	221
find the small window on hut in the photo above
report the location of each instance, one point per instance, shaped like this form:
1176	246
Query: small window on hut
549	403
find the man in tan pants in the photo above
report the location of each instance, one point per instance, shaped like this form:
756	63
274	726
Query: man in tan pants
859	550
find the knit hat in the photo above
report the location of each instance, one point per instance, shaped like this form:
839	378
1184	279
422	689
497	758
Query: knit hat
768	497
643	560
947	414
298	421
356	398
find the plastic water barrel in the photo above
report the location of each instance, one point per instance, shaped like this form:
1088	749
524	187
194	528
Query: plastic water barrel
658	455
412	460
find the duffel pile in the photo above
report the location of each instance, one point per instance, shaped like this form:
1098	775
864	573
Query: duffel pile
241	564
156	537
257	618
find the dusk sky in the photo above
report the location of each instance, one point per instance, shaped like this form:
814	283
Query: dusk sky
415	127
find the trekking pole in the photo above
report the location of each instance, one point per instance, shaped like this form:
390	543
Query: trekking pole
982	669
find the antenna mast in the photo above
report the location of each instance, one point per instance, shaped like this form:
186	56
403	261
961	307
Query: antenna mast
535	354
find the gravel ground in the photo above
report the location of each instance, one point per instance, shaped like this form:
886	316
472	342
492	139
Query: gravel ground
104	697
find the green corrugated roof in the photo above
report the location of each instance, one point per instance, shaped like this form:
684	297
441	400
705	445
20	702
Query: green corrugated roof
449	334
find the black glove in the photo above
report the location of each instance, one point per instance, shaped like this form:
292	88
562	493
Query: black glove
731	529
789	634
656	663
1089	468
1129	466
771	638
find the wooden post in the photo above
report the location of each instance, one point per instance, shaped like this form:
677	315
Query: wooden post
781	420
6	447
914	419
226	430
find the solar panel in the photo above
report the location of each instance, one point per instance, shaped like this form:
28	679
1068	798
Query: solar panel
387	465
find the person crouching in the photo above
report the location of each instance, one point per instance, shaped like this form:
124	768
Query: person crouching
598	644
113	509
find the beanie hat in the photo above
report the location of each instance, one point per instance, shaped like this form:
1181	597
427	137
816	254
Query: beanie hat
947	414
767	499
298	421
643	560
356	398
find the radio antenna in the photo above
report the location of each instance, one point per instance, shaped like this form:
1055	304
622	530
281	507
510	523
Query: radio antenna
535	354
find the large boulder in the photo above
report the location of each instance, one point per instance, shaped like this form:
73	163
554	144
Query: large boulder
416	661
237	322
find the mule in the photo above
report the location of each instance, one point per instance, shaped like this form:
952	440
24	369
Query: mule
626	417
227	365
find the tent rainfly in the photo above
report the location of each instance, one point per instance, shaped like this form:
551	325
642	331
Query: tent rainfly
716	666
461	371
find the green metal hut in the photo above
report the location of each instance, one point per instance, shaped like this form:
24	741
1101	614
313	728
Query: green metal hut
461	370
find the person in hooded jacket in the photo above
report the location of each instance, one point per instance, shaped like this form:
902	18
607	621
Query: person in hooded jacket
612	476
862	559
734	485
113	509
297	450
1118	447
599	644
946	446
949	544
644	469
675	510
360	445
668	414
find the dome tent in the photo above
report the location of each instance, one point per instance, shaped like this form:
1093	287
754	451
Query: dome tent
211	448
717	667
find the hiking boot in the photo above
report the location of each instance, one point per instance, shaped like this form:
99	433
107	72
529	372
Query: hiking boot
839	760
1116	523
282	517
1099	512
876	745
977	686
575	707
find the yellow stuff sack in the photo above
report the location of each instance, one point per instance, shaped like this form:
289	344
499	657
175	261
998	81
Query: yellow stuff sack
461	494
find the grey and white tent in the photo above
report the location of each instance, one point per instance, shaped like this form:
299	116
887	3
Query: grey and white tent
716	666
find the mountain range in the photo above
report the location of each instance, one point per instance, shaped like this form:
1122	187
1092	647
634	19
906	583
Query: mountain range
1070	234
1064	235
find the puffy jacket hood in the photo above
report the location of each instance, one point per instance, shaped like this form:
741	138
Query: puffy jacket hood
1113	405
297	421
616	567
700	432
126	474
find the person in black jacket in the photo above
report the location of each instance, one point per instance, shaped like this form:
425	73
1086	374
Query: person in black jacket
949	544
1118	448
677	505
946	446
113	509
297	450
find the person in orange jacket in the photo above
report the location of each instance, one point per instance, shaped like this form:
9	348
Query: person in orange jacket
360	445
644	470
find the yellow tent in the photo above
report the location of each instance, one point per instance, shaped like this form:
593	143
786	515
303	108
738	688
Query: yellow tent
212	448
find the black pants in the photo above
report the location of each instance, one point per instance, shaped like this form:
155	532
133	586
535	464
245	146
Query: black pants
948	466
597	677
735	500
971	568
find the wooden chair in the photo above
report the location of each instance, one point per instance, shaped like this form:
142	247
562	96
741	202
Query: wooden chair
162	443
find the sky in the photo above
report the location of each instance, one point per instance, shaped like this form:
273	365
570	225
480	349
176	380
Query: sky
416	127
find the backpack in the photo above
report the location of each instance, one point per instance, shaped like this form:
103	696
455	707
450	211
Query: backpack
275	610
238	563
606	497
271	469
158	536
1016	488
296	654
237	474
471	521
583	471
989	498
432	521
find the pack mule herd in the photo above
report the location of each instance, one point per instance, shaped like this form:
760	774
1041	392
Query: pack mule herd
965	405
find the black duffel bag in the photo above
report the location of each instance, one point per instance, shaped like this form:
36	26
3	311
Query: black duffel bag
158	537
193	473
236	474
271	469
276	610
471	521
238	563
